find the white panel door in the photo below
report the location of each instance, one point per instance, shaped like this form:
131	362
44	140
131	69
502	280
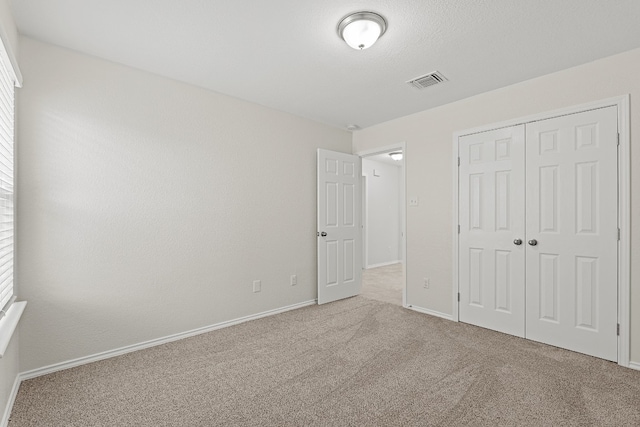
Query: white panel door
339	231
572	201
491	218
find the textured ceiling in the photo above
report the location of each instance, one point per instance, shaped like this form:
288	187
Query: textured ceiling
286	54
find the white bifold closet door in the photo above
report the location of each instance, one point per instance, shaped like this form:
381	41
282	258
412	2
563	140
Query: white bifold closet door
538	242
491	208
572	214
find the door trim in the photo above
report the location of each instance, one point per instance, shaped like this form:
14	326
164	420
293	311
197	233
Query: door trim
403	202
624	206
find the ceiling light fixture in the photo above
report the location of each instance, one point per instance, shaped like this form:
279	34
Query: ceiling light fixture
360	30
396	155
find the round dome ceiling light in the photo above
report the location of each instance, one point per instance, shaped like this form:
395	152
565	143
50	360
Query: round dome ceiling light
396	155
361	30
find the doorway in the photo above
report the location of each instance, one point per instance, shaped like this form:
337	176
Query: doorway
384	224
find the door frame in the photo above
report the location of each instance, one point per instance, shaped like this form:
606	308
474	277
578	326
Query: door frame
624	206
364	224
403	205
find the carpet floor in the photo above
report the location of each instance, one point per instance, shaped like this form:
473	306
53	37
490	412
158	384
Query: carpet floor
356	362
383	283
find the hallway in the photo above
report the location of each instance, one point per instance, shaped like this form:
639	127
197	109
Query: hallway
383	283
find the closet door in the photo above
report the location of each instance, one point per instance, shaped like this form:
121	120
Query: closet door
491	217
572	232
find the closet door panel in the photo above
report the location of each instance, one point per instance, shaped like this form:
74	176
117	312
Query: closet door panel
571	200
491	208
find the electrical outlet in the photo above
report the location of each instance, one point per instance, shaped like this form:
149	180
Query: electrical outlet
426	283
257	286
413	201
294	280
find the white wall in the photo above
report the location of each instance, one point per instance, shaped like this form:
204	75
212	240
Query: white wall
149	206
383	214
8	27
9	368
9	362
428	136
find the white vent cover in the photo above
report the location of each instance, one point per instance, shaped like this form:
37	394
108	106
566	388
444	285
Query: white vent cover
427	80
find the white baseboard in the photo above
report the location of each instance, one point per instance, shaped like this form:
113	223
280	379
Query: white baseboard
634	365
383	264
430	312
4	422
152	343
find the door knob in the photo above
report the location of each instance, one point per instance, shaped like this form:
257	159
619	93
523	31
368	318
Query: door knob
533	242
517	242
323	234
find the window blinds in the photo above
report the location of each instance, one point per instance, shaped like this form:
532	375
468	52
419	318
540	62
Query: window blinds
6	185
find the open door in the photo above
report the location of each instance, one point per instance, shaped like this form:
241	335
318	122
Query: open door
339	229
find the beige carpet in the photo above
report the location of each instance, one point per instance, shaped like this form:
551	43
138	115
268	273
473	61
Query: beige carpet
356	362
383	283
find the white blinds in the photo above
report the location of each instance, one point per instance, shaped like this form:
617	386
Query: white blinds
6	185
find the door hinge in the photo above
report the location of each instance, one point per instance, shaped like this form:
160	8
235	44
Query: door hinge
618	329
458	228
318	234
618	138
618	234
458	296
458	161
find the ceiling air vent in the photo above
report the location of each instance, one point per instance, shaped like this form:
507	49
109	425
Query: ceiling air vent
427	80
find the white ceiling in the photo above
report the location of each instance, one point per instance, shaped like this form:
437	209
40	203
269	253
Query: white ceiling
286	54
385	158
